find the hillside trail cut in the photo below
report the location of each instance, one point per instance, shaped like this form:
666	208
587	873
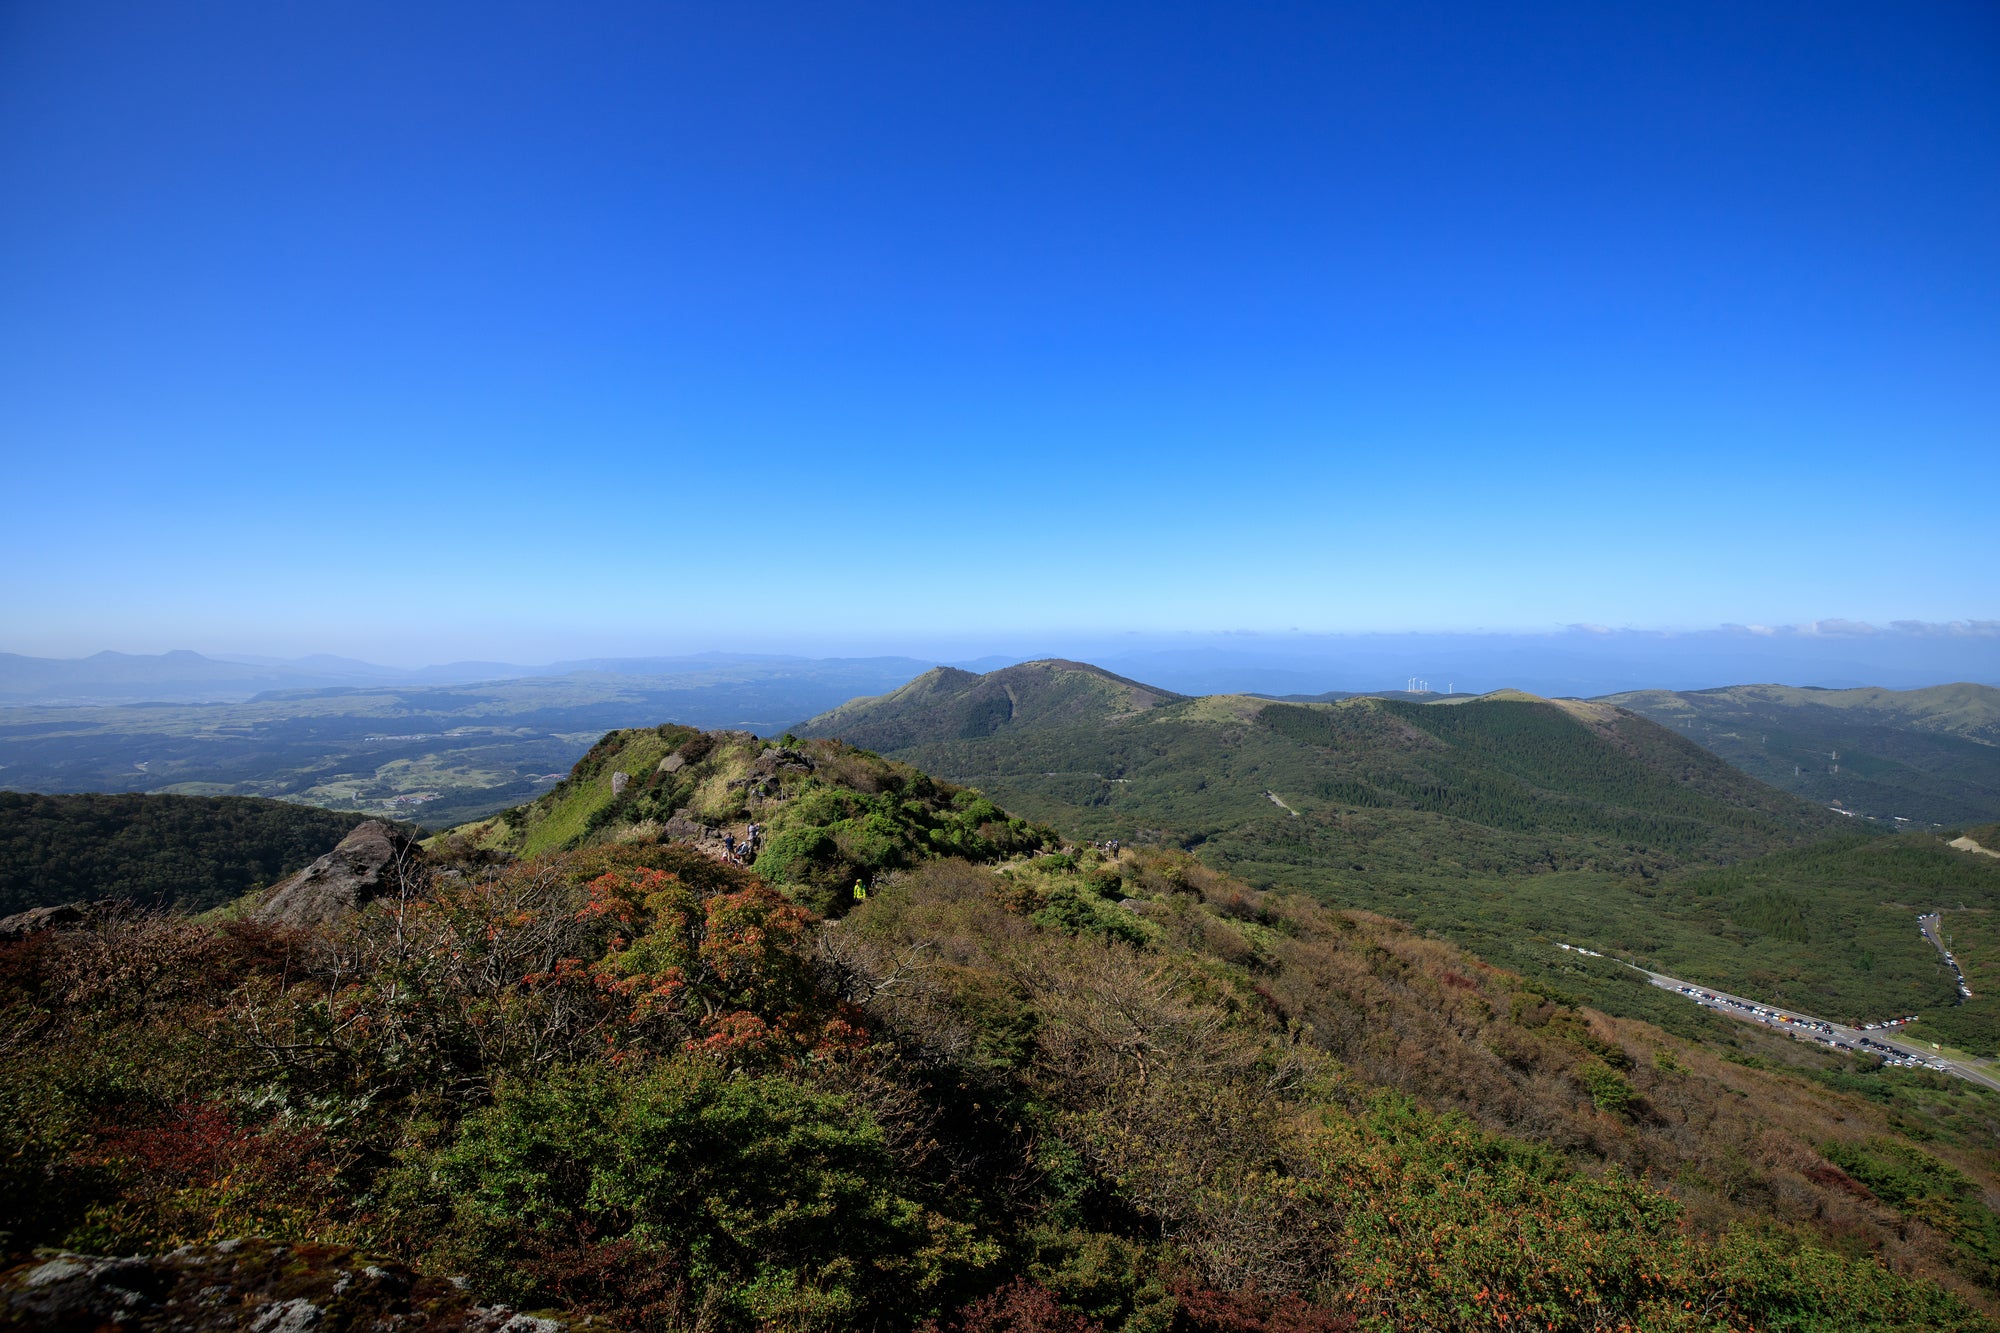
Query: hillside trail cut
1968	845
731	844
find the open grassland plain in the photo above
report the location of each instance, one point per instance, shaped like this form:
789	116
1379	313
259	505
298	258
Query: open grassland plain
436	755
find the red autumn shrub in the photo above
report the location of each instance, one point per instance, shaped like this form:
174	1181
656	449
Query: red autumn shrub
195	1172
1020	1307
1207	1311
632	1286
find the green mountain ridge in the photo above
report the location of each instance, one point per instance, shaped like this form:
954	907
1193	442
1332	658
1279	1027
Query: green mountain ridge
946	701
1503	822
1503	782
827	816
1928	757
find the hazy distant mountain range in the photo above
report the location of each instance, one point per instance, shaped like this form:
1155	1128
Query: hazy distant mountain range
189	677
1580	661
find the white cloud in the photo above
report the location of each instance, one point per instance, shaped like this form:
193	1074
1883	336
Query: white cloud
1952	629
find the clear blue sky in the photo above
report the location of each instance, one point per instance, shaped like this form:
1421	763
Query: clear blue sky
421	331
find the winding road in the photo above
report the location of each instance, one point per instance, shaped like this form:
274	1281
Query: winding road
1873	1041
1932	927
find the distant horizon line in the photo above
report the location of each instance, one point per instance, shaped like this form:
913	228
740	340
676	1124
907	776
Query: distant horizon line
896	646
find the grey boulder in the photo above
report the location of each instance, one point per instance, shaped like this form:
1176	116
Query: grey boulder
375	859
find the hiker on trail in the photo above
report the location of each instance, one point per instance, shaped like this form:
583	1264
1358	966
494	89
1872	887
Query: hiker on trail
729	843
860	892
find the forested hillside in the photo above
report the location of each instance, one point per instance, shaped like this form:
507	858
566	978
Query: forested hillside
1506	784
189	851
1501	823
1013	1087
1926	757
949	703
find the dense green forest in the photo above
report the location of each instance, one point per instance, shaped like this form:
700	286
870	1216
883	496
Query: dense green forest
1930	757
190	851
947	703
1972	1025
1490	786
1828	929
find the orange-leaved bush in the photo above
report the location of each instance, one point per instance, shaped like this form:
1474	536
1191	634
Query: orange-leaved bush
728	973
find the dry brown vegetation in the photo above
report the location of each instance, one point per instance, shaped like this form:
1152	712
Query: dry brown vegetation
1061	1093
1182	1057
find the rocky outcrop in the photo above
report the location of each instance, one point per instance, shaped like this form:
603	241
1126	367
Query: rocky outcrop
38	919
775	758
369	862
254	1286
683	824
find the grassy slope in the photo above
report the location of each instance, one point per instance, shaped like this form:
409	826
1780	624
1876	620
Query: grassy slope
1504	824
1733	1137
1210	1085
1930	755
